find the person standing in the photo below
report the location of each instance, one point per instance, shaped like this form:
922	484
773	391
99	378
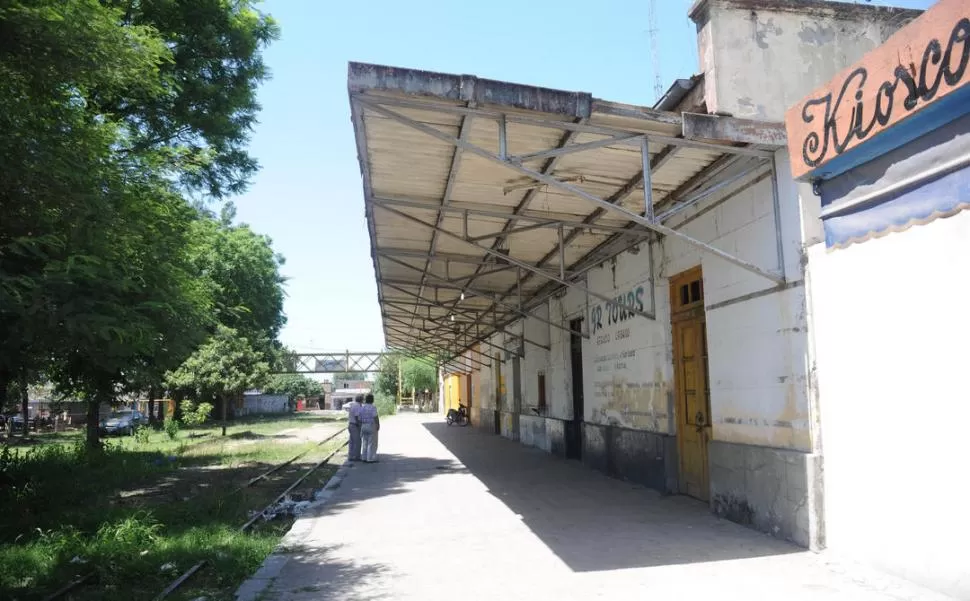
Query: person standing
353	428
370	399
370	424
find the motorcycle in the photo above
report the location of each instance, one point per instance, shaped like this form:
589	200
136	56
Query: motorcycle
457	416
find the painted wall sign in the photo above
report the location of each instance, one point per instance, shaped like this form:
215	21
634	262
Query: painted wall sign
606	314
920	65
625	387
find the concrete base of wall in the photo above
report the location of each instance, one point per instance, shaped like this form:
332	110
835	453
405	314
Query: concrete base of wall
509	425
776	491
544	433
647	458
488	420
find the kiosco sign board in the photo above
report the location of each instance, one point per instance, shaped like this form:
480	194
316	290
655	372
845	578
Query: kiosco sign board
919	68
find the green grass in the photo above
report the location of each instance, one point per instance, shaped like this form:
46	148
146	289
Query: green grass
142	505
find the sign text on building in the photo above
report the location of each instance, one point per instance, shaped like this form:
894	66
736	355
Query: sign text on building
919	65
607	314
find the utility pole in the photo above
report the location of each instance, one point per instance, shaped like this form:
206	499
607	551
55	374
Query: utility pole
658	88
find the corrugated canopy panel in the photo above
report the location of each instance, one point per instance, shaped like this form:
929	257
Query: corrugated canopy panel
464	238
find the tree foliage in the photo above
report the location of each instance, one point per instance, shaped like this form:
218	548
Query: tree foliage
293	386
243	275
418	375
223	367
194	415
202	118
387	376
112	112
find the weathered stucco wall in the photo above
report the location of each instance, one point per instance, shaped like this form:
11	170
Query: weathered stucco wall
757	342
891	330
571	305
759	57
626	360
758	346
486	383
536	359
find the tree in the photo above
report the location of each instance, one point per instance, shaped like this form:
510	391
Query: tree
221	370
131	305
106	105
387	378
201	121
418	375
243	274
294	386
56	155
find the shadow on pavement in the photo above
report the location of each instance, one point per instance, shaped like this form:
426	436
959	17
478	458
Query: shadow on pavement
593	522
326	573
392	475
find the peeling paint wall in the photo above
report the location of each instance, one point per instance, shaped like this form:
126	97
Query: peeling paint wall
757	339
759	58
758	345
760	370
627	367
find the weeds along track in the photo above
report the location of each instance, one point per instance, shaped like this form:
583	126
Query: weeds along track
90	578
198	566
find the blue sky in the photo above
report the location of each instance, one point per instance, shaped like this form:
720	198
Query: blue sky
308	195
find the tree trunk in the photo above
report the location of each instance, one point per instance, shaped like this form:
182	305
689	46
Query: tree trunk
93	438
4	389
224	404
177	410
151	404
24	402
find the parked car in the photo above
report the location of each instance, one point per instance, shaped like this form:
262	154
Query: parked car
124	421
16	420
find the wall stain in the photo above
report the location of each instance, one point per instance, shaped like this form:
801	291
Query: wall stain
816	33
734	508
635	405
762	29
749	108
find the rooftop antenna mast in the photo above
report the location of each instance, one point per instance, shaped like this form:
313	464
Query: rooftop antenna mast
654	52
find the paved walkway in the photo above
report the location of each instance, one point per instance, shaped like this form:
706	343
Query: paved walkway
454	513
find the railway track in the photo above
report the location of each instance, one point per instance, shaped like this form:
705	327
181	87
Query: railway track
185	576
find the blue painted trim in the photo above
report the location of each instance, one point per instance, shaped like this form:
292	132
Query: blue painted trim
920	204
950	107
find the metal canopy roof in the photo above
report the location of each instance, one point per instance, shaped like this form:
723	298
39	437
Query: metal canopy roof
484	198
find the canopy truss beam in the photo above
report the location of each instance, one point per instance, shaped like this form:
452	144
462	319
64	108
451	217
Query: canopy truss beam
603	203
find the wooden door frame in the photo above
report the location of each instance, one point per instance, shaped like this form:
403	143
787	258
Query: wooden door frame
693	311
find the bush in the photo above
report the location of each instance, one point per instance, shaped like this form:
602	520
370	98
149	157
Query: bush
143	435
385	403
172	428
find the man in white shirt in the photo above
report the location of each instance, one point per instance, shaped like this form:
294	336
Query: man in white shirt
353	427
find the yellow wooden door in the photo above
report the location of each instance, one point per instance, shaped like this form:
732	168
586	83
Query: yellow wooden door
691	382
452	392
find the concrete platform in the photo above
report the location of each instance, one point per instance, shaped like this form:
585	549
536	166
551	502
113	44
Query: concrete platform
455	513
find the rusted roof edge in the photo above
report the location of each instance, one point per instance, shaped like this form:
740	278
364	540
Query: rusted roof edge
364	77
